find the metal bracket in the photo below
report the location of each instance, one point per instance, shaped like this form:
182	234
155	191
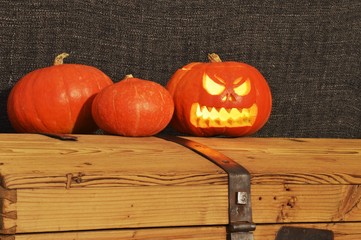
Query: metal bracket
239	188
297	233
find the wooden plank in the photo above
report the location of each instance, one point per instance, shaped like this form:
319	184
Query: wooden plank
306	203
94	182
36	161
149	206
152	206
270	161
294	161
342	231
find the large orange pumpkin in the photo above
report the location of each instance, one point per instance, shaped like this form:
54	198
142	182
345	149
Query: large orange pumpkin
219	98
133	107
56	99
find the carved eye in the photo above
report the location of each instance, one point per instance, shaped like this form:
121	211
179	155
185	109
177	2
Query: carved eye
244	88
211	86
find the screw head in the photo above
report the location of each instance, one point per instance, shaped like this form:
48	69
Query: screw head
242	198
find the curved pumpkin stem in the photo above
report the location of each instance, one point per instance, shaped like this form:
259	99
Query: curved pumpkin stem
213	57
60	58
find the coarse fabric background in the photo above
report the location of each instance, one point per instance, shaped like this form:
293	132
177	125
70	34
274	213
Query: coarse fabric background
309	51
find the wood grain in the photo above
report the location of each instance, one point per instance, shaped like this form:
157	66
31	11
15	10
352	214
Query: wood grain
270	161
158	206
306	203
36	161
154	206
294	161
109	182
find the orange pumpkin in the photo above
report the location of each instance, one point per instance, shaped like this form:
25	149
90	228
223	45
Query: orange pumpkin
133	107
56	99
219	98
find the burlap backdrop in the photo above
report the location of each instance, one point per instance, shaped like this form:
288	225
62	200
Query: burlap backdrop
309	51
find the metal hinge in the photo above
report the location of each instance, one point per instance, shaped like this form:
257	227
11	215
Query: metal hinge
240	225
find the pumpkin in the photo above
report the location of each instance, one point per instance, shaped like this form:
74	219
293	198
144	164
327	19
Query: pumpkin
219	98
133	107
56	99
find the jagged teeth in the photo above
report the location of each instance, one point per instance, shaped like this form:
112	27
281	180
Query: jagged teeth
223	117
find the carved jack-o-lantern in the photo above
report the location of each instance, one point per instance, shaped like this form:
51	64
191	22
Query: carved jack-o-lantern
219	98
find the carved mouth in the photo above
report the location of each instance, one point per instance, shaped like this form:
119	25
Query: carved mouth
205	117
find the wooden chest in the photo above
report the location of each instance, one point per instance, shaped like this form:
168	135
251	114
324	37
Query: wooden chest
117	188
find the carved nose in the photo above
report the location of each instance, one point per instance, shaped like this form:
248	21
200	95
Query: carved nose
228	97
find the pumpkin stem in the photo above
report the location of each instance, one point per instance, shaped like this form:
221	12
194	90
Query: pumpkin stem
213	57
128	76
60	58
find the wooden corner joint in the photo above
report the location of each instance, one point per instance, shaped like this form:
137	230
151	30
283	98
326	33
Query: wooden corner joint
9	215
8	218
7	231
7	237
8	223
8	195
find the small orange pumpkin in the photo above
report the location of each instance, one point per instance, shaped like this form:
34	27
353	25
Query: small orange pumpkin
219	98
56	99
133	107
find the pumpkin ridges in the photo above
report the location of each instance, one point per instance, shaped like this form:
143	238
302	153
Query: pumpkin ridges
100	85
27	93
133	107
82	113
17	117
104	108
42	100
54	114
114	105
101	117
129	107
71	116
252	109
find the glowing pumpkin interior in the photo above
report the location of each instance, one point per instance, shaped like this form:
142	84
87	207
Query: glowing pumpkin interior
228	93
